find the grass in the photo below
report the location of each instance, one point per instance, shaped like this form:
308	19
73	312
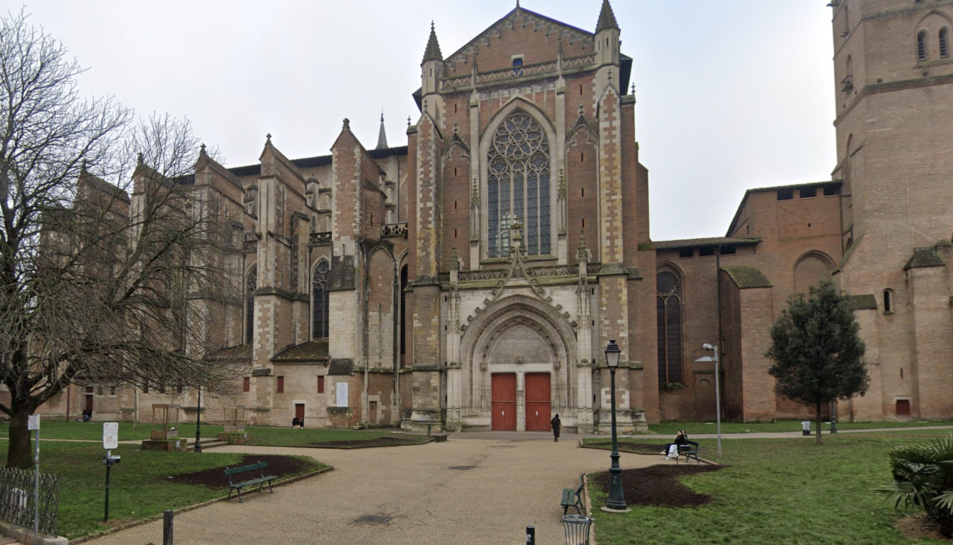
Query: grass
671	427
778	491
263	436
139	485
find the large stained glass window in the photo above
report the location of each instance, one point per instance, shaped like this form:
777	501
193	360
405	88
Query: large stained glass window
518	185
669	305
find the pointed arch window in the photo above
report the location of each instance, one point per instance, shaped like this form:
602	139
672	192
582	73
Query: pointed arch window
320	301
922	45
251	284
518	185
669	310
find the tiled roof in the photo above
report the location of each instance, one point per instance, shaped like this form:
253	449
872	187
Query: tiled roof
240	353
748	277
712	241
309	351
104	186
924	257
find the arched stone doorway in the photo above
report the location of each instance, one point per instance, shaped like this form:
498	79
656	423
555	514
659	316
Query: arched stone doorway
518	367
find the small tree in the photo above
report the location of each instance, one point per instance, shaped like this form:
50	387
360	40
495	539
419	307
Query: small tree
923	476
817	350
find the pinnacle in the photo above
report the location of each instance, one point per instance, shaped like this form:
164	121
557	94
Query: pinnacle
606	18
382	136
433	47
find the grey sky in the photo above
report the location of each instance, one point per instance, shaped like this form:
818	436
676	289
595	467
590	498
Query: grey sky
732	94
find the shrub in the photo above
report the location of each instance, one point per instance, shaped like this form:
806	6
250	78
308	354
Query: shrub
923	476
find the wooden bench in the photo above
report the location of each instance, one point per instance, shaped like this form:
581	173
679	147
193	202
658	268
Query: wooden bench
573	498
689	451
260	480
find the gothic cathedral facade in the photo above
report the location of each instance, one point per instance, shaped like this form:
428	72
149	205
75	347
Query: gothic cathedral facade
472	279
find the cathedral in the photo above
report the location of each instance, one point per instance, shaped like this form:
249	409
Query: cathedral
472	278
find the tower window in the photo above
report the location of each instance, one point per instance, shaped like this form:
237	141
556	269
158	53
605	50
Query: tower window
518	66
888	301
706	251
785	194
922	45
686	252
944	42
320	302
808	192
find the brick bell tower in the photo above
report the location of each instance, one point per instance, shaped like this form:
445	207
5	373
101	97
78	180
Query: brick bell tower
894	93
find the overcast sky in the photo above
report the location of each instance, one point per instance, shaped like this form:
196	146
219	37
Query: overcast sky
732	94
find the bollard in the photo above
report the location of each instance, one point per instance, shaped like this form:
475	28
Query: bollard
428	430
167	528
530	535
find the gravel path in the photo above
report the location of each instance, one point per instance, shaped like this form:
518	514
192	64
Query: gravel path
463	491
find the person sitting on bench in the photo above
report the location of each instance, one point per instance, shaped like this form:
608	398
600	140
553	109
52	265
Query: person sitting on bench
87	415
297	422
671	451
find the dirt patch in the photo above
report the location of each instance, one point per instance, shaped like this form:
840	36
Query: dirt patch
657	485
386	441
919	527
277	465
633	448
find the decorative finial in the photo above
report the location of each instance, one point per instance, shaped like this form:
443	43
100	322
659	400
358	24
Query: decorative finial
582	110
456	127
202	149
347	123
82	167
382	115
454	260
139	158
431	26
633	87
610	76
517	4
408	120
268	137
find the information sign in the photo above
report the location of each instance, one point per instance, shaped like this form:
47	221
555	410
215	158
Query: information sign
33	422
341	394
110	435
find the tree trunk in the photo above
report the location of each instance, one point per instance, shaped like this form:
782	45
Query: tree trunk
20	453
820	440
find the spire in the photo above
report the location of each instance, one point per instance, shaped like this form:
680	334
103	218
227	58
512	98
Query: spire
606	18
382	137
433	48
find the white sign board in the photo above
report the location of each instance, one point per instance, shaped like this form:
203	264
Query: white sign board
110	435
33	422
341	394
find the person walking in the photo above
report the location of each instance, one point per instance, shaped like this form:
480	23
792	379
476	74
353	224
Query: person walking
556	425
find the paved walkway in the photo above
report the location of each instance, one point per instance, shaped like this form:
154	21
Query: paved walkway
470	489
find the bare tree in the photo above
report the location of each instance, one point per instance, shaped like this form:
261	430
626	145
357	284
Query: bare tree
99	280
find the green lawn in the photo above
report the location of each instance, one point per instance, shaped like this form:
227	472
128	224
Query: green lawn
671	427
777	491
139	487
285	437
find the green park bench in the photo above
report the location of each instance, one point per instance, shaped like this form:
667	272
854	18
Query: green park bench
573	498
260	481
689	451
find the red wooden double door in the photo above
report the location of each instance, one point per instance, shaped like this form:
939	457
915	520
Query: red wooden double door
538	401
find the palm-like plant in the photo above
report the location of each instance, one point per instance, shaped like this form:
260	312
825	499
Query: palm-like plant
923	476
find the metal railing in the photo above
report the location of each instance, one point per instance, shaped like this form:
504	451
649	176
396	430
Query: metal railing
16	499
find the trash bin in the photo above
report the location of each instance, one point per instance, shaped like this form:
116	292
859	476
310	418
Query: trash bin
577	529
806	427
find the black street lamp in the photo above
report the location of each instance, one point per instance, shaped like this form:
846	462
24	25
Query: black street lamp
616	501
198	424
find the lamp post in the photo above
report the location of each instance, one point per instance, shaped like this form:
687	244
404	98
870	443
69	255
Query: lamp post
616	501
198	424
709	359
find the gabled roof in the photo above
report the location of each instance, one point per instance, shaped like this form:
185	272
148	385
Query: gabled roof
747	277
309	351
606	18
318	161
569	31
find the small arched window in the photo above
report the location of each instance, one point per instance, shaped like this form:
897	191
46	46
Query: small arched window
251	284
944	42
320	301
669	311
922	45
888	301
